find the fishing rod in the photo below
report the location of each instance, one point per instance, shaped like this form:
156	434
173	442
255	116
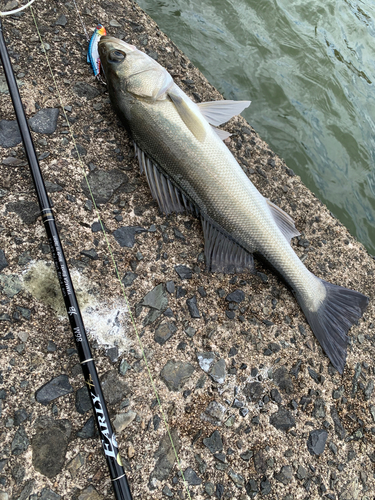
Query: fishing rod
119	480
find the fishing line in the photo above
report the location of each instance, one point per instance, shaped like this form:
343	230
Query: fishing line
109	247
83	24
10	12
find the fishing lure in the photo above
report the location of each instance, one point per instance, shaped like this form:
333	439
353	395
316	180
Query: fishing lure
93	53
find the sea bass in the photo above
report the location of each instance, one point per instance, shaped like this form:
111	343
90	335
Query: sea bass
188	167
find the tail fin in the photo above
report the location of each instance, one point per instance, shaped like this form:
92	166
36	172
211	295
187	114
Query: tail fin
340	309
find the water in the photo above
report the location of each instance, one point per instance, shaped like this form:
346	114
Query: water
309	70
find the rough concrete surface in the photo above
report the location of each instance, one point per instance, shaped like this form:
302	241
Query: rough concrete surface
256	409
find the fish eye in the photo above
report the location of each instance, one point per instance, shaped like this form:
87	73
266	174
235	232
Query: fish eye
117	56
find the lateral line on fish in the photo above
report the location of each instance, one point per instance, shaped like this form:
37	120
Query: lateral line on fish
109	247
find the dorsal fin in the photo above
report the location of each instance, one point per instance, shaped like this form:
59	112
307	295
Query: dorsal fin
219	112
284	221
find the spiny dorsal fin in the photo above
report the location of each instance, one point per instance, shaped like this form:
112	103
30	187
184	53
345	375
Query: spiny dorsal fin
284	221
218	112
192	120
223	254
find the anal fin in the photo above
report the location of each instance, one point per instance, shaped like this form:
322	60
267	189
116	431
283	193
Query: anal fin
223	254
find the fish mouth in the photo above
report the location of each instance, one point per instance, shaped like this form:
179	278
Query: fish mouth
108	42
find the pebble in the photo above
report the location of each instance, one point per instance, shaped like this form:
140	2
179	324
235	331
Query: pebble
214	443
265	486
191	477
176	373
251	488
129	278
317	441
55	388
193	307
61	20
214	413
218	371
156	298
90	493
20	442
164	332
3	261
236	296
339	428
83	400
319	410
114	387
49	445
282	420
48	494
45	121
124	367
10	285
83	89
236	478
123	420
9	133
170	286
285	475
125	236
28	211
165	456
253	391
104	184
283	380
89	430
75	464
184	272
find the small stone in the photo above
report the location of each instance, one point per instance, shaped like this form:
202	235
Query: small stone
319	408
3	261
9	133
184	272
83	89
114	387
282	420
10	285
317	441
48	494
28	211
285	475
339	428
214	413
190	331
283	380
214	442
123	420
265	486
104	184
193	307
206	360
75	464
236	296
114	23
275	396
55	388
20	442
176	373
83	400
61	21
91	254
90	493
369	390
45	121
129	278
236	478
165	456
156	299
253	391
170	287
251	488
164	332
191	477
124	367
89	430
209	488
125	236
301	473
218	371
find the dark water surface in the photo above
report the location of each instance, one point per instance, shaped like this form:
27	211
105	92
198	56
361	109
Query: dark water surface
309	69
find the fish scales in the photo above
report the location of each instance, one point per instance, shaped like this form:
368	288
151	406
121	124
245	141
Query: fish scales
182	145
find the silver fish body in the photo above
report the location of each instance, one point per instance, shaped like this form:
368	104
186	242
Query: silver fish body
183	155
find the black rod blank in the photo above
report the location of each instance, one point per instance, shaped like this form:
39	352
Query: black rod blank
118	477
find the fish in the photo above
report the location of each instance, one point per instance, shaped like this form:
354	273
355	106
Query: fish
189	168
92	52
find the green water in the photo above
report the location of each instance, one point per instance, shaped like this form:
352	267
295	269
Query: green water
309	69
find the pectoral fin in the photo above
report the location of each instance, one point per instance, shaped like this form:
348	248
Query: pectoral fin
284	221
218	112
192	120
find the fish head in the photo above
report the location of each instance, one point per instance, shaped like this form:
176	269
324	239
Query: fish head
131	72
